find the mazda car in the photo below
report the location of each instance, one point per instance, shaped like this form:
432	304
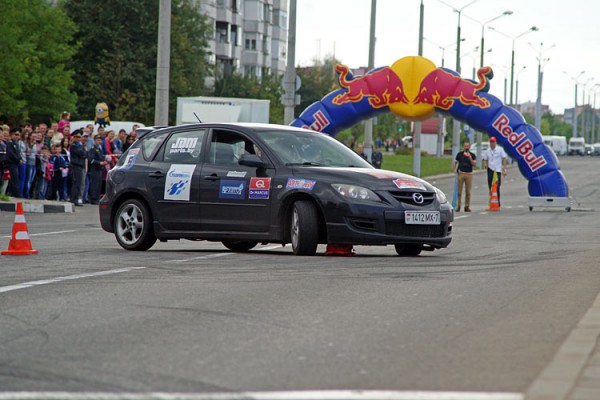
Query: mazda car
243	184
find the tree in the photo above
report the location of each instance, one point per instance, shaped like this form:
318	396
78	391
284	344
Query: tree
116	62
33	59
317	81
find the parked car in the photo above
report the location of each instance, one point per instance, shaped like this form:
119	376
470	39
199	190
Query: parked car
244	184
576	146
589	150
596	149
484	147
558	144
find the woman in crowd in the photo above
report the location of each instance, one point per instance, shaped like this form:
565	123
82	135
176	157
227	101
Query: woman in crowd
128	142
23	167
65	119
31	154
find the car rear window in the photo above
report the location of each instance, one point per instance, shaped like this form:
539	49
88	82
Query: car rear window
149	144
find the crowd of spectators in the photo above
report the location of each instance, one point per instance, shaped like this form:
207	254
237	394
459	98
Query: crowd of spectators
54	163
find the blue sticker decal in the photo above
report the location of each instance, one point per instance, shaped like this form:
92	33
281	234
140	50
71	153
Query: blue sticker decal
232	190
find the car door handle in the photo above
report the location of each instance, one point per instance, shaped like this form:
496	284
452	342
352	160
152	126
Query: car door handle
156	174
213	177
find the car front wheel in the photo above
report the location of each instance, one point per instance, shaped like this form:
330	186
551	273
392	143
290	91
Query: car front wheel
409	250
133	226
303	228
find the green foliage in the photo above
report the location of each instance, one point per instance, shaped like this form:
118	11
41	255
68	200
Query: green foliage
116	63
33	59
317	81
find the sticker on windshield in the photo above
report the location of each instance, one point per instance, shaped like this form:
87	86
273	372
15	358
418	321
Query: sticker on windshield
259	188
300	183
130	160
183	145
232	190
406	183
179	182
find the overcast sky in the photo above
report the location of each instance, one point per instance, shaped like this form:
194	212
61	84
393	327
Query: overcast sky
572	27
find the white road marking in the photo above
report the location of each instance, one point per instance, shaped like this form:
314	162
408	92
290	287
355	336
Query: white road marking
291	395
461	217
26	285
43	234
216	255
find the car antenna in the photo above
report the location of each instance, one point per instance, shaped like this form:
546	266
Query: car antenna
196	115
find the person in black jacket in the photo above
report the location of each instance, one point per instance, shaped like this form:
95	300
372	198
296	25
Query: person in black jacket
78	157
13	161
59	164
97	162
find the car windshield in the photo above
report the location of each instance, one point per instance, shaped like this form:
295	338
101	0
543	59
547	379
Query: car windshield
298	148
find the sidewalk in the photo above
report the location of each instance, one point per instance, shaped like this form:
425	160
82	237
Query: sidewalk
37	206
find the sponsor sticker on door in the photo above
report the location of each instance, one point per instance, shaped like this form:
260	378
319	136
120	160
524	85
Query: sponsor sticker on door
179	182
230	189
259	188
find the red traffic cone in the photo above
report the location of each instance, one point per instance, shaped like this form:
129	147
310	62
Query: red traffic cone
339	250
19	245
494	203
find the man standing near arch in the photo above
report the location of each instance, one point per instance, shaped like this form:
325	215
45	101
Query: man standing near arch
494	160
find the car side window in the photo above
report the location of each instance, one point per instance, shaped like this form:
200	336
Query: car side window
184	147
149	145
226	148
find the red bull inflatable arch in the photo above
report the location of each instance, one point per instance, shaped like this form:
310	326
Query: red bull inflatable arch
414	88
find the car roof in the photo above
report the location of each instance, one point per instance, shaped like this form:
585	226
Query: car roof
255	126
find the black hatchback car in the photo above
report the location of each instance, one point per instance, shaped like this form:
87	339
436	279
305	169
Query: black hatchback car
244	184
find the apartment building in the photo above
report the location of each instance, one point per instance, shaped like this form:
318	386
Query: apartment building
250	36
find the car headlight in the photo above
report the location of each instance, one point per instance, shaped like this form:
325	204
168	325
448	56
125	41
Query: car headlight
355	192
441	197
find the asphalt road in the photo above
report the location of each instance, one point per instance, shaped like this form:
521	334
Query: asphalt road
485	314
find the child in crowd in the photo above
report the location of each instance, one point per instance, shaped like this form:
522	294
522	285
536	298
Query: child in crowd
41	164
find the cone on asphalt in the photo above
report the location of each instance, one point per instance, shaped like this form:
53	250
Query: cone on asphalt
19	245
339	250
494	202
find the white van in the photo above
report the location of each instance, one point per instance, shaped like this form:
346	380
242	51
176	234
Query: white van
577	146
114	125
558	144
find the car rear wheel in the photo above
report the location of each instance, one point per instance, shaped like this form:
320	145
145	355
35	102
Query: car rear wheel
133	226
408	250
239	246
304	231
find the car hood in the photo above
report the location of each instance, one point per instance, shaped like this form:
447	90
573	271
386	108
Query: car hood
374	179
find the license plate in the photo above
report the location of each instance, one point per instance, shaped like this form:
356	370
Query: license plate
422	217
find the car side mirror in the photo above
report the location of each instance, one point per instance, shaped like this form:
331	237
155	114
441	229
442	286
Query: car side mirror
251	160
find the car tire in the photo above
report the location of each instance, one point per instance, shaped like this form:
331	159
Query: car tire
133	226
239	246
408	250
304	231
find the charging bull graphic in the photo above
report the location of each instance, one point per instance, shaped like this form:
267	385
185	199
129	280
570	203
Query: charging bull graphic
414	88
442	88
381	87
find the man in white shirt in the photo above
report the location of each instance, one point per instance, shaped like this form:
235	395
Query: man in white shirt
494	160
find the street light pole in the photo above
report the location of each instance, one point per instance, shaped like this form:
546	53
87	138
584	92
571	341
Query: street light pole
583	127
456	124
512	62
517	88
576	80
538	103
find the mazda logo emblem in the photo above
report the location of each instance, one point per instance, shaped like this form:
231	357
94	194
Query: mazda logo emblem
418	198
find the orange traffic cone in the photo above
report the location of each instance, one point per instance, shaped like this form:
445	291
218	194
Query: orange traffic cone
19	245
494	203
339	250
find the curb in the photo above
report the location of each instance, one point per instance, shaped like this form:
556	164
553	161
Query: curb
37	206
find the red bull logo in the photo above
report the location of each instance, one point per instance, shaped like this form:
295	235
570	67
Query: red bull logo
381	87
441	89
523	147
